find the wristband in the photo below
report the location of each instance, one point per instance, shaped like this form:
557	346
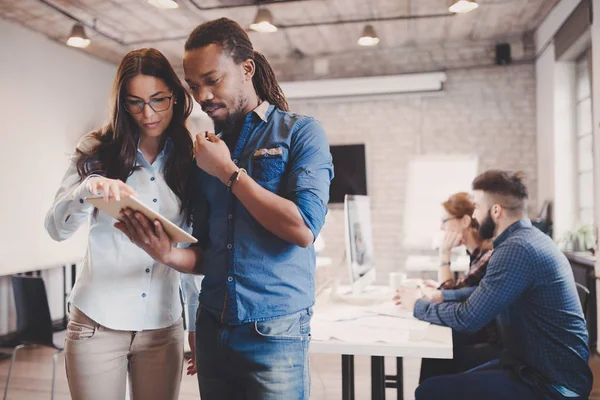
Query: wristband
235	177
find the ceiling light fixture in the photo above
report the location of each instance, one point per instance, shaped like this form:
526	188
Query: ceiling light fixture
164	4
263	22
369	37
78	38
463	6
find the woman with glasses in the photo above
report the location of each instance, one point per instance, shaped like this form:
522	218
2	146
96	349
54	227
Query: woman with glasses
125	308
461	229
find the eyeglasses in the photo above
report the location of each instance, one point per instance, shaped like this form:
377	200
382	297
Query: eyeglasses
157	105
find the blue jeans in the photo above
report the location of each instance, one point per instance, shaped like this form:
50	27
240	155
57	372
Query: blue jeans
490	381
263	360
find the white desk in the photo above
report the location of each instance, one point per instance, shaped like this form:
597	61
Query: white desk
431	342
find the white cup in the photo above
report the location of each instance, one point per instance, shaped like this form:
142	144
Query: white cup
397	280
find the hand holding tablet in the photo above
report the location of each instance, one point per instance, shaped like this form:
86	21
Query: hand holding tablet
113	207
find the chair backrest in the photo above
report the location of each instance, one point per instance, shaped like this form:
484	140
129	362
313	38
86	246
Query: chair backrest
34	324
584	295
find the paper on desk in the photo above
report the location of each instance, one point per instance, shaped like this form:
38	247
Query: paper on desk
391	323
342	312
439	334
364	334
390	309
354	332
321	329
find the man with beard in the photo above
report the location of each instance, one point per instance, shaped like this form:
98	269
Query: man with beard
260	196
529	288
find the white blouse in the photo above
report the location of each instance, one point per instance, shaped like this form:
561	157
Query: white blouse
119	285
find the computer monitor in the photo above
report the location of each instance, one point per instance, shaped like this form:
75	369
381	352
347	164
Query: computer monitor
359	241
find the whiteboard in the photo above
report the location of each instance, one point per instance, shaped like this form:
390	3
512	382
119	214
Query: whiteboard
431	180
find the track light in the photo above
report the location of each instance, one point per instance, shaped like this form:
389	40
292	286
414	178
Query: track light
164	4
463	6
78	37
263	22
369	37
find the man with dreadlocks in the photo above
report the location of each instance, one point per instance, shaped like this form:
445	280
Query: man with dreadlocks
260	192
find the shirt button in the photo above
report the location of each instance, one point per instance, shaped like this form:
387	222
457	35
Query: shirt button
230	279
155	200
235	161
152	179
229	246
143	294
229	216
147	270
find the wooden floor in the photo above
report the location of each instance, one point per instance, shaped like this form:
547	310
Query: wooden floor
32	373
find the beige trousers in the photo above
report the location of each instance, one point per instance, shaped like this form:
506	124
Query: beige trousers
98	360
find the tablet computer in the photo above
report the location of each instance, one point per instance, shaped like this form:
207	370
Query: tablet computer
113	208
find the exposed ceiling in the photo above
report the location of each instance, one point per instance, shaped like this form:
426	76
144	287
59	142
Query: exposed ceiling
122	25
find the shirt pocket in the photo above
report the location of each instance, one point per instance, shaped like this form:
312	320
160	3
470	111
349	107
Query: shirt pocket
267	170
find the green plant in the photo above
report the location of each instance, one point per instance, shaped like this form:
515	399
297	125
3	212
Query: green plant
579	239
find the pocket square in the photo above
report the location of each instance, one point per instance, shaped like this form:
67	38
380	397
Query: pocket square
272	152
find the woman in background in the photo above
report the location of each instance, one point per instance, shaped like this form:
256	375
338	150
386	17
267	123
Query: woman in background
461	229
125	309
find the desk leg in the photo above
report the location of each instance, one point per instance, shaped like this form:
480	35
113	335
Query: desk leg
396	381
347	377
65	312
399	378
377	378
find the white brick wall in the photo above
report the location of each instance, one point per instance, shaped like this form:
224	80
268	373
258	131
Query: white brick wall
485	111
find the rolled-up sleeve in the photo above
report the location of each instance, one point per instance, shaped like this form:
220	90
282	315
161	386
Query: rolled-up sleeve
310	173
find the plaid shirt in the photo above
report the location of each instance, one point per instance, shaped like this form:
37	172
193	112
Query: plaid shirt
477	268
455	291
529	286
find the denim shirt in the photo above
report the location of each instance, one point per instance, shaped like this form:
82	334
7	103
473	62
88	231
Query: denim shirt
251	274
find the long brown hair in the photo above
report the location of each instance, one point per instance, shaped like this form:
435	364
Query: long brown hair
115	150
234	40
460	204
